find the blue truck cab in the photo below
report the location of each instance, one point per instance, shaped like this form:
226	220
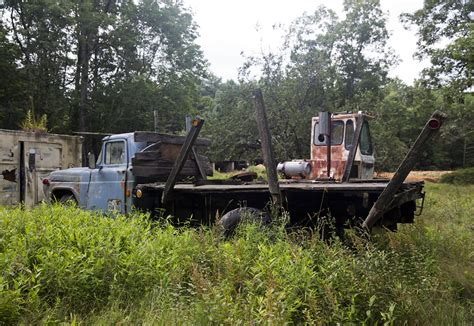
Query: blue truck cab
106	185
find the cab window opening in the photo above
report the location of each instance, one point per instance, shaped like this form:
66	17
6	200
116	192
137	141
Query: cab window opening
337	133
366	140
349	134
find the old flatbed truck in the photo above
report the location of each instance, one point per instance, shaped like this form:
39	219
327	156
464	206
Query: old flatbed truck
148	170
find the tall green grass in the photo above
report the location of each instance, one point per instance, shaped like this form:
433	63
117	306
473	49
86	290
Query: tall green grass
61	264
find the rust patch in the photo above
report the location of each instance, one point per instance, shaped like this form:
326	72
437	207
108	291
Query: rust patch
319	161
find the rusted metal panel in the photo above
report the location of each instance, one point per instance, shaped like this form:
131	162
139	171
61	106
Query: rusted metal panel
319	166
26	158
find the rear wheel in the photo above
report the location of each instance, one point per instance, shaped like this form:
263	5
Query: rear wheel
244	214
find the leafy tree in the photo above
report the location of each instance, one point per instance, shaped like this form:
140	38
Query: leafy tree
40	32
446	36
231	123
12	83
362	55
324	64
98	64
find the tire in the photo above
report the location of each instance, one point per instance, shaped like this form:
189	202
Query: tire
231	219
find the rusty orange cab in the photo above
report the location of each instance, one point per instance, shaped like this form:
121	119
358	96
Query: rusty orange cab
342	133
339	129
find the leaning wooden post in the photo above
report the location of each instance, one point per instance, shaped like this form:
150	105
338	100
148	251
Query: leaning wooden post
384	200
182	157
267	149
200	165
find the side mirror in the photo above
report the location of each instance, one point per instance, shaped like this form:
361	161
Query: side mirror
91	160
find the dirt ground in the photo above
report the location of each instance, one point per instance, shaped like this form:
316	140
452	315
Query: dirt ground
431	176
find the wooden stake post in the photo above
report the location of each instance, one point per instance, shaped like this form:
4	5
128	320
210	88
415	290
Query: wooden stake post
183	155
200	165
267	149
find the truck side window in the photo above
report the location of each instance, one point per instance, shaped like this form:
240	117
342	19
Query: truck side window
115	152
349	134
337	133
365	140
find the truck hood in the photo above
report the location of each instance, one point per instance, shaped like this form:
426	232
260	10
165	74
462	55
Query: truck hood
70	175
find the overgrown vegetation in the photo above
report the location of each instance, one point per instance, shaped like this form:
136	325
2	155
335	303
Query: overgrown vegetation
460	177
64	264
31	123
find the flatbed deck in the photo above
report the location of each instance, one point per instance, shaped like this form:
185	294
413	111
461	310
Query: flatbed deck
369	186
207	200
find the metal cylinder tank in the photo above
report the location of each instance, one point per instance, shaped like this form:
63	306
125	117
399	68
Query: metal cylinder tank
294	169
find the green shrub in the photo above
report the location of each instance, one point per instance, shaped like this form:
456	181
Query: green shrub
460	177
61	264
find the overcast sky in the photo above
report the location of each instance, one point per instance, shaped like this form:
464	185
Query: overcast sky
229	27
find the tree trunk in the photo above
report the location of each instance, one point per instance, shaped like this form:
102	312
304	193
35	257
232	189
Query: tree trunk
84	83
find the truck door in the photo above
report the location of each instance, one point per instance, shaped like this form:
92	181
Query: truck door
108	179
366	152
38	160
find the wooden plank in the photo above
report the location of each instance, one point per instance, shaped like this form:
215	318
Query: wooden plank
161	172
148	155
153	137
160	163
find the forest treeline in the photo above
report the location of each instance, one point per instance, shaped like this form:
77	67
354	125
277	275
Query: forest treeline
106	65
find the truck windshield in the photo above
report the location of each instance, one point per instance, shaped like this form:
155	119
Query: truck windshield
115	152
337	133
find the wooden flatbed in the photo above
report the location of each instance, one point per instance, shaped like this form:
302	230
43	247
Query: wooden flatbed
346	202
